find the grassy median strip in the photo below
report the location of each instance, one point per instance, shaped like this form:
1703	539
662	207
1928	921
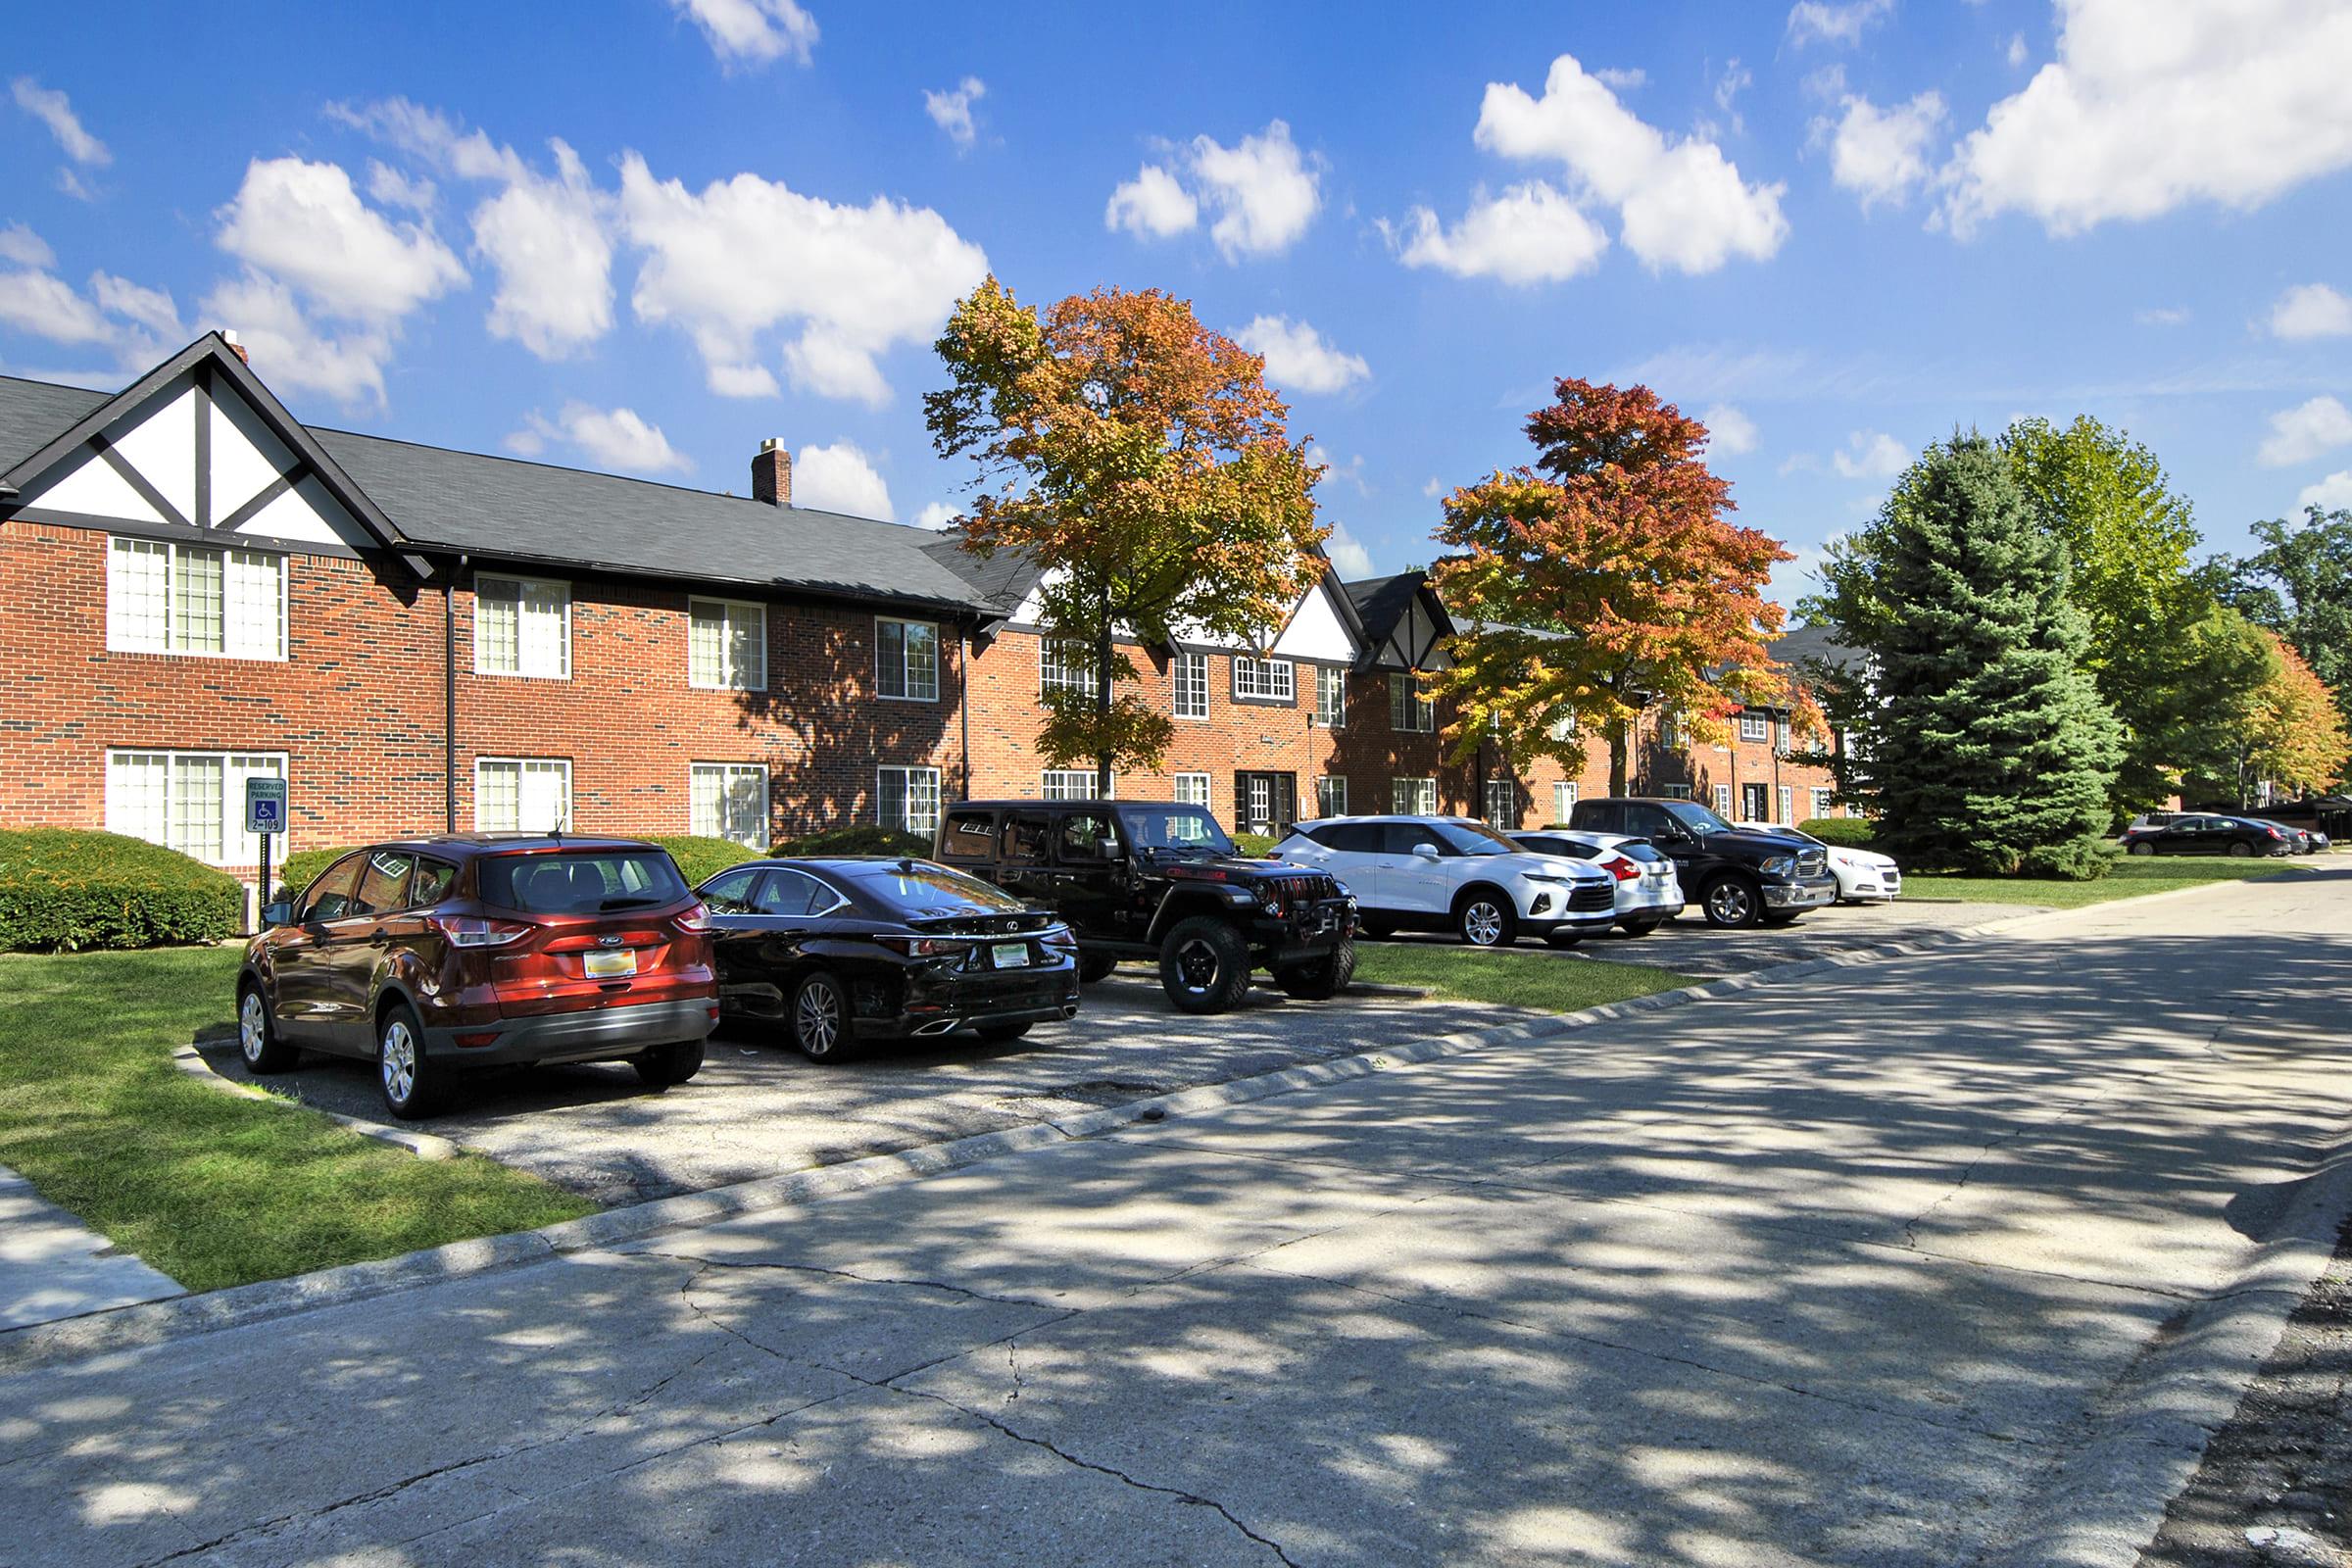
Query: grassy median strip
2131	877
213	1189
1543	982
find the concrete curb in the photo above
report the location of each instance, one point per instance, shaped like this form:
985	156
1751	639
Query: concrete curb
424	1145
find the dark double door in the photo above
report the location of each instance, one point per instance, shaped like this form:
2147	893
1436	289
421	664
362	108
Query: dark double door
1264	803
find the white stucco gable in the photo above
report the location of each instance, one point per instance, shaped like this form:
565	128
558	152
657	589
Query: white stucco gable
1317	631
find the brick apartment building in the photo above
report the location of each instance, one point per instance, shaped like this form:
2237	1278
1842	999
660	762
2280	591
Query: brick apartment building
195	587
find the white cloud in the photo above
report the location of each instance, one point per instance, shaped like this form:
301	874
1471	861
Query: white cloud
1736	79
952	110
1882	154
1153	204
748	254
1531	234
1349	558
2306	432
55	111
614	439
2017	50
1621	80
133	322
1680	204
2331	494
1819	22
289	350
840	478
753	31
48	307
1870	454
149	308
1791	580
2154	104
2163	315
2310	309
393	188
1350	474
1434	488
938	516
1732	432
1298	357
301	223
24	247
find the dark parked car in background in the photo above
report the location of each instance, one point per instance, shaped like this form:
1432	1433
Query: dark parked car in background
2200	834
1739	875
862	947
435	956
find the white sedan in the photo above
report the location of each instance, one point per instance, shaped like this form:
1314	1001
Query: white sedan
1864	876
1449	873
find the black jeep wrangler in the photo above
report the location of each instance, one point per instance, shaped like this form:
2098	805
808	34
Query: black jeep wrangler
1737	876
1144	880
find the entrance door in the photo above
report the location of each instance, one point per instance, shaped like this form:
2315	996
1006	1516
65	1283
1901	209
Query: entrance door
1265	802
1755	804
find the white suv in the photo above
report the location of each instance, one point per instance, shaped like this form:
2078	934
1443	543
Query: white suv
1449	873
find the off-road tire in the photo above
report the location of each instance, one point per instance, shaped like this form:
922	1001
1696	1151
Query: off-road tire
1321	980
1204	966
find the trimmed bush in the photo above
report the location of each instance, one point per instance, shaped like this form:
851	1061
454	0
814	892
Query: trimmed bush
1257	845
65	889
700	857
866	839
302	868
2075	861
1844	832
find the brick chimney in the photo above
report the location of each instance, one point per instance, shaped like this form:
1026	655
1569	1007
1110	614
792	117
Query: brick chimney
235	347
771	473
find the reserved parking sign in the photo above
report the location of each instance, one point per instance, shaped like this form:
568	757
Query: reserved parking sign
265	804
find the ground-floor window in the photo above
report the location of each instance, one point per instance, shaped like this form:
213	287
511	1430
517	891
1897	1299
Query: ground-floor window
1820	802
521	795
1682	792
1413	797
1563	803
730	800
1502	804
1192	789
192	802
1787	804
1331	797
1071	784
1755	802
906	800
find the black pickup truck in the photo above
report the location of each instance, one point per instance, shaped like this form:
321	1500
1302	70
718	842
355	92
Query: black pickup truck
1737	876
1142	880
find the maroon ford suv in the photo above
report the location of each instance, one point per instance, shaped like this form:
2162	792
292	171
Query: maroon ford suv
433	956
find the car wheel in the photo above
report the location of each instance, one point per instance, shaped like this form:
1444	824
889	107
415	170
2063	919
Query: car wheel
1640	928
1780	918
2240	849
1321	980
1092	967
2143	848
257	1035
1731	902
1377	930
1002	1033
1485	918
409	1079
664	1065
820	1019
1204	966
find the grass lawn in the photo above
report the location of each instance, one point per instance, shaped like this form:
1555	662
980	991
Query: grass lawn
213	1189
1507	980
2133	876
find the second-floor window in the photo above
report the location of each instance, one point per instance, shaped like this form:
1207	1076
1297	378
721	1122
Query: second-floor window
1263	680
1409	709
907	660
184	599
1331	697
1065	664
522	626
1191	675
1754	727
1070	784
726	645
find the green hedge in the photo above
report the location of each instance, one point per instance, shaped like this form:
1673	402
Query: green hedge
302	868
1257	845
867	839
1845	832
699	858
64	889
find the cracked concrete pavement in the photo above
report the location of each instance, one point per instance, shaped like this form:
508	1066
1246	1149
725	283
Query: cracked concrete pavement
1868	1269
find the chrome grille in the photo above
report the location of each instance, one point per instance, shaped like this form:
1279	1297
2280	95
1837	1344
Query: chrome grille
1812	863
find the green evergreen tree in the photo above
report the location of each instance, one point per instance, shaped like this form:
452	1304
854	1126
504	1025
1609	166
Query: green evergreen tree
1990	747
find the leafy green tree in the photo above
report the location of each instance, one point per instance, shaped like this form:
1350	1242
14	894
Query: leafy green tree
2299	585
1990	749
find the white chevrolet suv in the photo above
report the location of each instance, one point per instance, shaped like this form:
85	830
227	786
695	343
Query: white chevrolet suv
1449	873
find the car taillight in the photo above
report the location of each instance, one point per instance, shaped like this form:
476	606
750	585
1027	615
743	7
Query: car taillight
925	947
465	931
1623	869
2273	832
1059	936
696	918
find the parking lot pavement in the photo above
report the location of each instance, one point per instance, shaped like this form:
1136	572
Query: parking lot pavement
759	1108
1690	946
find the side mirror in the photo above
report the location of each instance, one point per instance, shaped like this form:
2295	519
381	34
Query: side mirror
1427	852
277	915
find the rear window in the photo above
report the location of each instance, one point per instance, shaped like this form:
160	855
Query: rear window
919	887
588	882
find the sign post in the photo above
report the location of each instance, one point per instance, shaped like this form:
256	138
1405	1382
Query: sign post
265	816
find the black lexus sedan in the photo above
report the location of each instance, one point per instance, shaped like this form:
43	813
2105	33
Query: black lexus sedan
864	948
2198	833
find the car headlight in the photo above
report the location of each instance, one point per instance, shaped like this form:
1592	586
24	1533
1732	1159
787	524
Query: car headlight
1543	876
1779	866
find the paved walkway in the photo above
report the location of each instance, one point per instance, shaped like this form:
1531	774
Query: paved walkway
53	1266
1941	1260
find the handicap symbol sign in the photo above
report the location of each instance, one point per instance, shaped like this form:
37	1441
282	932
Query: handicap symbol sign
265	806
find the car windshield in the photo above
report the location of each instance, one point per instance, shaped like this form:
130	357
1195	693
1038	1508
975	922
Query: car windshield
1697	817
1474	838
919	887
1174	828
589	882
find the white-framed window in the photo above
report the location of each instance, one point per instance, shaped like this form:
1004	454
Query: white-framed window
1263	680
1820	802
1669	731
1070	784
522	794
907	799
1780	733
730	800
1410	711
1723	800
1192	789
1563	803
1065	664
1331	796
1190	675
1331	696
192	802
726	645
1564	726
522	626
1682	792
1788	805
906	660
1754	727
1502	804
1413	797
166	598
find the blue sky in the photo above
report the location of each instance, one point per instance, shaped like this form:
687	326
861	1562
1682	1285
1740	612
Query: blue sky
640	235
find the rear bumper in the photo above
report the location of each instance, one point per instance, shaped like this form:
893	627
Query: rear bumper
1655	909
597	1034
971	1002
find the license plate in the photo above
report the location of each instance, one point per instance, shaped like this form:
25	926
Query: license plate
1008	955
607	966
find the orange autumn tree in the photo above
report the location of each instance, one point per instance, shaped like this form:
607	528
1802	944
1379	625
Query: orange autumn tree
1605	578
1141	462
2295	734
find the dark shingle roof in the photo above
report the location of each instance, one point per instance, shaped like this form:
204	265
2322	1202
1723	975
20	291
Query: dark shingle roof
31	411
1800	644
1001	582
1380	602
